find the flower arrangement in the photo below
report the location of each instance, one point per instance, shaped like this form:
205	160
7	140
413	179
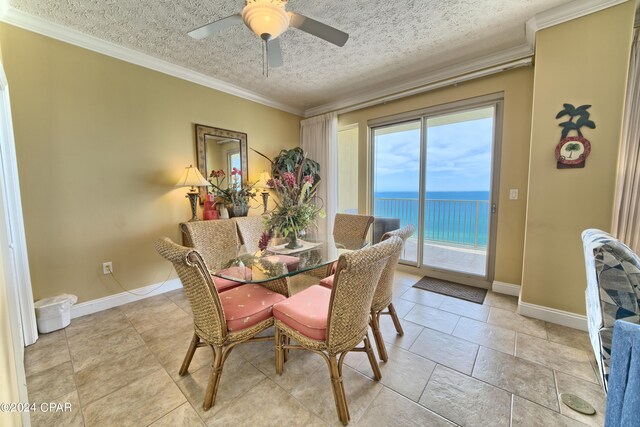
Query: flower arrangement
237	194
294	181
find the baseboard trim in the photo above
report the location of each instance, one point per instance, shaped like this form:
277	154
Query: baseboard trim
560	317
505	288
105	303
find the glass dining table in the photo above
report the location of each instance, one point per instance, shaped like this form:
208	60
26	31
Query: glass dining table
301	267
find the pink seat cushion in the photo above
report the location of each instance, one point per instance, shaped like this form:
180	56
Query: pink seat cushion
223	285
306	312
327	281
248	305
334	267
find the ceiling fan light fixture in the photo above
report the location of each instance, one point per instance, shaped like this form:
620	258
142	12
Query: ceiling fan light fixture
266	17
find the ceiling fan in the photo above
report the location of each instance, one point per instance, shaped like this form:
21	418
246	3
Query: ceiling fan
268	19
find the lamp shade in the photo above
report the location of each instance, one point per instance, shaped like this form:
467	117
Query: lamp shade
191	177
266	17
262	182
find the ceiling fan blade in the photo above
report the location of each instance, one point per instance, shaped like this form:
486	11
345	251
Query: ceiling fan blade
318	29
274	53
215	27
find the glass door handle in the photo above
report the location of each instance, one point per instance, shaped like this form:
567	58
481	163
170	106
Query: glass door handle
494	208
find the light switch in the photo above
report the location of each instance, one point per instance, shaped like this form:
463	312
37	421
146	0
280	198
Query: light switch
513	194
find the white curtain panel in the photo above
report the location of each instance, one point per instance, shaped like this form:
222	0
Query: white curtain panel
626	218
319	140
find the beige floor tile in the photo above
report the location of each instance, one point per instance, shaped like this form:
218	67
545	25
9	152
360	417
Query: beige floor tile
404	372
172	356
569	336
510	320
526	379
251	350
529	414
96	324
315	393
88	352
422	297
139	403
447	350
402	306
389	334
465	400
505	302
40	358
48	385
48	418
155	303
146	319
555	356
392	409
50	338
433	318
588	391
180	299
258	407
238	377
487	335
183	416
166	335
96	381
465	308
300	364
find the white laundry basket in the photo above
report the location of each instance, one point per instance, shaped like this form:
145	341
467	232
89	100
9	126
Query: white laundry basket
54	313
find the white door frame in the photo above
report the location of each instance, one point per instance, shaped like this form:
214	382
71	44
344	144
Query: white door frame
13	247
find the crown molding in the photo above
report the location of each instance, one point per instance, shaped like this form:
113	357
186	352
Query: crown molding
493	63
564	13
29	22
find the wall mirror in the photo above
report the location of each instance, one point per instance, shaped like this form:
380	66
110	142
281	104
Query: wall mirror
220	149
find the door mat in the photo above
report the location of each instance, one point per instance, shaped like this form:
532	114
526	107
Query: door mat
456	290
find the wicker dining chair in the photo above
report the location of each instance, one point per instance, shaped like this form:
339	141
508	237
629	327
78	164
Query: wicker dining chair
217	242
221	321
332	322
382	299
348	227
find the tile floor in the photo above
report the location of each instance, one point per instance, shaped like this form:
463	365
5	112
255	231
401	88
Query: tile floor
457	363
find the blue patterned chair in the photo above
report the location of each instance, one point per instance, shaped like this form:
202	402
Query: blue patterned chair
613	291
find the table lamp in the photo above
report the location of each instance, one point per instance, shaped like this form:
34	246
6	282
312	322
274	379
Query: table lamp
262	183
192	178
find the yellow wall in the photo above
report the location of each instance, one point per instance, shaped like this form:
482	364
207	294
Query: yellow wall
517	87
584	61
100	144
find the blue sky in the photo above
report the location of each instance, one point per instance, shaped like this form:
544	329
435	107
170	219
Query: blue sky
458	158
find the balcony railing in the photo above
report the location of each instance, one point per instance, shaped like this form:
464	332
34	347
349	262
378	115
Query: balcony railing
457	222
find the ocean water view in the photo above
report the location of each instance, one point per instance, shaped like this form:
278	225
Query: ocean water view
454	217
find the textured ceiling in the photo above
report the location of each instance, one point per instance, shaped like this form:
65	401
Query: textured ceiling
389	39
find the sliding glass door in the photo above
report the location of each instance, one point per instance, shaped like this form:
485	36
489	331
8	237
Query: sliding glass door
436	171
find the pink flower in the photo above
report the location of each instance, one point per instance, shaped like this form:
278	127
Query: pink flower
289	179
217	174
236	171
308	179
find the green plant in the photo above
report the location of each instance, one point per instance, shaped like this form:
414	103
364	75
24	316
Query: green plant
237	193
571	147
294	182
583	119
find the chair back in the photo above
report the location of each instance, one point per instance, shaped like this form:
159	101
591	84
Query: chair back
355	282
384	292
348	227
250	230
208	316
216	241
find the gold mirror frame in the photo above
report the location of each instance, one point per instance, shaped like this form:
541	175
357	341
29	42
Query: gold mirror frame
202	132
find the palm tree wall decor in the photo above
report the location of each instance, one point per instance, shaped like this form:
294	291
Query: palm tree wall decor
576	143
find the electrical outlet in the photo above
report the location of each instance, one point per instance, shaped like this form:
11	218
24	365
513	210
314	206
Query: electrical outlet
513	194
107	267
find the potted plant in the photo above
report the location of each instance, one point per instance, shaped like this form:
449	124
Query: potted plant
294	181
235	198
